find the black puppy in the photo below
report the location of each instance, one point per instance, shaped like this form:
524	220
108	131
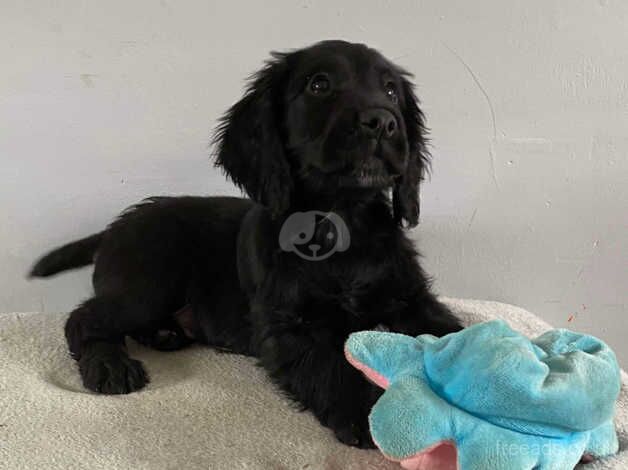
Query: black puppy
332	134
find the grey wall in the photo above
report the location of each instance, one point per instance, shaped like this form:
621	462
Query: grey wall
104	103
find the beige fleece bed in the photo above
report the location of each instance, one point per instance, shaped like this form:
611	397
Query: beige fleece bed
202	409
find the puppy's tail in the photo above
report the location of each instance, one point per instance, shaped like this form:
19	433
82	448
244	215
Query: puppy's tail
73	255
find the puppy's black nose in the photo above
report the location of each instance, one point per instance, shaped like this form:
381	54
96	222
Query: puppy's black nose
378	122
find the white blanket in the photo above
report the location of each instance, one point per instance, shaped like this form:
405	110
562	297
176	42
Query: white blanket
202	409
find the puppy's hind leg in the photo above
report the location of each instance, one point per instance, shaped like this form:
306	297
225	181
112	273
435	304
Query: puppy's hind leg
95	332
178	332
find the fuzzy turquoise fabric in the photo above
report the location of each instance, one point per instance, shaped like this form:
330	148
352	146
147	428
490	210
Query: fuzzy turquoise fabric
505	401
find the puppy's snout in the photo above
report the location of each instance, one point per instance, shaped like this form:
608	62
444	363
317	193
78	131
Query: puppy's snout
378	122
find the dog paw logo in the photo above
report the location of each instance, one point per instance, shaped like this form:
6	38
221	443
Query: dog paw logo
314	235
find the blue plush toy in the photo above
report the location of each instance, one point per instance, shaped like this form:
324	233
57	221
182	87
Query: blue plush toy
489	398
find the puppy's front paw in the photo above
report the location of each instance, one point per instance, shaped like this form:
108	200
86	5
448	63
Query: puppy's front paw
106	368
354	433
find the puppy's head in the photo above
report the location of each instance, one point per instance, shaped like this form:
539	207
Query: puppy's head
333	118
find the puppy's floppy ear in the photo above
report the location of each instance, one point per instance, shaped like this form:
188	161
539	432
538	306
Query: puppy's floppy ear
249	142
406	205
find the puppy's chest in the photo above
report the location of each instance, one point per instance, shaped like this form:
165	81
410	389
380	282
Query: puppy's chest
355	298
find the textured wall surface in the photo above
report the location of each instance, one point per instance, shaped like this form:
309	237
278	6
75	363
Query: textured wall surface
104	103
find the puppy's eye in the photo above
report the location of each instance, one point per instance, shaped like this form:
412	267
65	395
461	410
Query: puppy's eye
319	84
391	92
